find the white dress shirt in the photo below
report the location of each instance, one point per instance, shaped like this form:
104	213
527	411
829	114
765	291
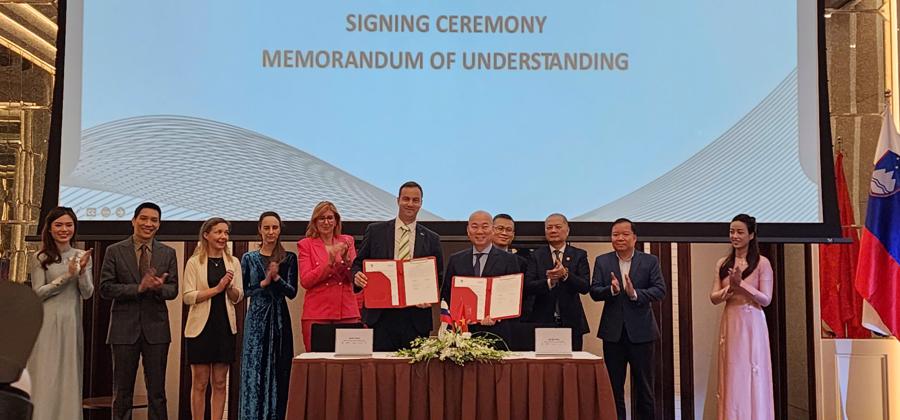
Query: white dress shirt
625	269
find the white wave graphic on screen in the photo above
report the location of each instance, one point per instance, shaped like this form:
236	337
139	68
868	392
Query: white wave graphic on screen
195	167
754	167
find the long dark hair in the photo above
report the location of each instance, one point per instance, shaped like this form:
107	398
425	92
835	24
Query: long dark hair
278	252
48	246
752	249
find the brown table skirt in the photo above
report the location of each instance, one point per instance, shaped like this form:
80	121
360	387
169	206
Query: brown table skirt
376	389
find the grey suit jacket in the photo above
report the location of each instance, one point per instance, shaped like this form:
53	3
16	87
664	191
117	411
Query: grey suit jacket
133	313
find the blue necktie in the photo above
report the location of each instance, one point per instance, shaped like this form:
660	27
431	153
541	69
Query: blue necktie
476	268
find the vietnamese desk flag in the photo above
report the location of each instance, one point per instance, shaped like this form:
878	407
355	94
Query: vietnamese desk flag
840	302
878	269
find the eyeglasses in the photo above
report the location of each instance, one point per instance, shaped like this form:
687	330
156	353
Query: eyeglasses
325	218
504	229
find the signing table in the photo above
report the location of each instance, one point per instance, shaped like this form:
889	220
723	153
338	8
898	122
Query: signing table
522	386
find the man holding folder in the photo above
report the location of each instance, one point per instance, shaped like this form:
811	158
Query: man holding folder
481	260
398	239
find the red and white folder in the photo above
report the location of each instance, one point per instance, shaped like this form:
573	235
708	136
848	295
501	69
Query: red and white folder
400	283
477	298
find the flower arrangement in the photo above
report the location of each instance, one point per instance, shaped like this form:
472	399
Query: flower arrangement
457	345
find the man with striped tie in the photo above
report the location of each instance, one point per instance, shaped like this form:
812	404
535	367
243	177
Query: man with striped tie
401	239
557	276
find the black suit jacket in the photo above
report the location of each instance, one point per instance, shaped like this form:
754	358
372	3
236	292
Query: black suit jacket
567	293
523	255
499	263
619	311
132	312
378	243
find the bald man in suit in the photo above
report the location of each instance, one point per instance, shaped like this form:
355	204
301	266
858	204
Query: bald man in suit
482	259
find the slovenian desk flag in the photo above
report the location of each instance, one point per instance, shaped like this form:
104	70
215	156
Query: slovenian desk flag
878	269
446	321
445	314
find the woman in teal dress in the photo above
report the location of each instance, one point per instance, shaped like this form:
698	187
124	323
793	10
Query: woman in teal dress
270	276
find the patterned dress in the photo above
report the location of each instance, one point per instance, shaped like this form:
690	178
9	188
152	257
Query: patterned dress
268	346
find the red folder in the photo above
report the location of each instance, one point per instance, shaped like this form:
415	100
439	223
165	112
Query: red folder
377	294
464	302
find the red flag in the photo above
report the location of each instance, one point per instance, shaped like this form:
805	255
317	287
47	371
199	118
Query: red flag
841	304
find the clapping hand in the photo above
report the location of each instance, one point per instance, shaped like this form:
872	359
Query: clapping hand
83	262
727	293
271	275
629	287
151	281
338	253
225	281
557	273
73	268
342	249
734	278
614	284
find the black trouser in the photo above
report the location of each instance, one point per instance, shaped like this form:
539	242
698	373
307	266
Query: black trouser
125	364
640	356
394	330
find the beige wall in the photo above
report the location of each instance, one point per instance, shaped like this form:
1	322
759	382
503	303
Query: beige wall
706	327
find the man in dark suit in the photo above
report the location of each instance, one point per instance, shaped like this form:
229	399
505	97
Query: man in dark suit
557	276
139	274
400	239
504	233
628	281
483	259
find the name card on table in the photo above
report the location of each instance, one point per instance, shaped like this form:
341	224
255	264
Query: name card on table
352	342
553	341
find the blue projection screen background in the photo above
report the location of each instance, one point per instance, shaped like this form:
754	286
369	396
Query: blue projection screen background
655	110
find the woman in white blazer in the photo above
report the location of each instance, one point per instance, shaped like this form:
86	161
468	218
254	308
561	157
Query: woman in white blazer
212	286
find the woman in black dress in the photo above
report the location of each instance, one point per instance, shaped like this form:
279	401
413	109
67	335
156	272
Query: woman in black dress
212	286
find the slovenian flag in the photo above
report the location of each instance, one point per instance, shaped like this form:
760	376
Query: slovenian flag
446	320
445	314
878	270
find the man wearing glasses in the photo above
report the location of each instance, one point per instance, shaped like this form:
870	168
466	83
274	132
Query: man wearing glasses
504	233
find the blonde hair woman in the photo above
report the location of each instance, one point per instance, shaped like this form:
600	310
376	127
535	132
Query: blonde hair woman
325	259
212	286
